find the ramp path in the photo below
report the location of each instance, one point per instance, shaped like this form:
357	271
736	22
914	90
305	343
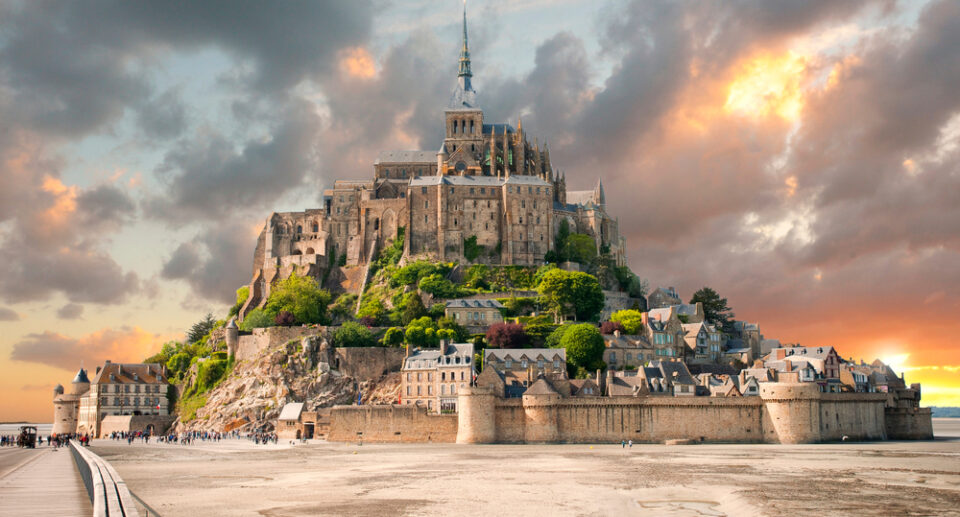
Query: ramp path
44	481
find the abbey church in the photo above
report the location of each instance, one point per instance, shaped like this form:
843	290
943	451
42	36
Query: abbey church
486	183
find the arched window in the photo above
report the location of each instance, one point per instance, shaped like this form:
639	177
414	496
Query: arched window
316	227
471	129
453	389
443	376
299	229
376	224
443	389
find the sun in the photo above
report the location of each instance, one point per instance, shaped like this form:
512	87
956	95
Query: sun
768	85
898	362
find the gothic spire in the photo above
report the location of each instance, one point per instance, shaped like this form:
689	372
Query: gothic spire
464	95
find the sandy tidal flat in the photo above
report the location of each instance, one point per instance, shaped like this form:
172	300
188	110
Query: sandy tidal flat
235	477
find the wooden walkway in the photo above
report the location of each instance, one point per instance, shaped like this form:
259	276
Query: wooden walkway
45	483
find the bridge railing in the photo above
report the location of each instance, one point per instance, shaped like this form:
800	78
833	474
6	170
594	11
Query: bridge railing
107	491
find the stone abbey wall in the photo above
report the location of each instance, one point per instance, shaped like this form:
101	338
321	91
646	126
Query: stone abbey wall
392	423
909	424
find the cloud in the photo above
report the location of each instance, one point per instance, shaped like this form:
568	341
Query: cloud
8	314
70	311
214	263
48	348
163	117
207	178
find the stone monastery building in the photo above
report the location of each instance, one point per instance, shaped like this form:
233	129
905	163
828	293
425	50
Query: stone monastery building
486	180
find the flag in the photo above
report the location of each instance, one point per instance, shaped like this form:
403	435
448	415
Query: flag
359	397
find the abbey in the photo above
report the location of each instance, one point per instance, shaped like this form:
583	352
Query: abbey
486	185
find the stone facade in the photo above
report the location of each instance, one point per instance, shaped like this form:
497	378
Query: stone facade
431	378
487	181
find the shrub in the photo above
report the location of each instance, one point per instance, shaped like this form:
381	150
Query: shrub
438	310
584	345
258	318
629	319
372	308
439	287
609	327
209	373
242	294
507	335
284	319
471	250
538	333
344	306
179	362
459	333
352	334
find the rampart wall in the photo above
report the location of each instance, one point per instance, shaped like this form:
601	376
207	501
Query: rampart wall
909	424
156	424
368	362
249	345
393	423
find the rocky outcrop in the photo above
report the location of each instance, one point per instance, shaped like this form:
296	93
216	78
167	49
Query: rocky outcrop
304	370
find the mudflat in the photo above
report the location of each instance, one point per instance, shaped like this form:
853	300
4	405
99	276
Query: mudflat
237	477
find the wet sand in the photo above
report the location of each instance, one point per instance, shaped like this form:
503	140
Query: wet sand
236	477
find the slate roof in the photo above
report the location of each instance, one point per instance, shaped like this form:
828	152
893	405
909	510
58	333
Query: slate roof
580	197
458	354
124	374
81	377
516	354
479	181
541	387
418	157
527	180
461	303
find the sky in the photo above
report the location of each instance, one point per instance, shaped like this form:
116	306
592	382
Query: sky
800	157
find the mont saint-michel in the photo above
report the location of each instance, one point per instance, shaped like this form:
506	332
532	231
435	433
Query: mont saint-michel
576	259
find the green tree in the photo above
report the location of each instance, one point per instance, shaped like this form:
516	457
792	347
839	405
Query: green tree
438	286
201	329
458	333
560	243
554	338
258	318
584	345
301	296
413	307
353	334
715	308
242	294
372	308
571	292
629	282
393	337
581	248
631	320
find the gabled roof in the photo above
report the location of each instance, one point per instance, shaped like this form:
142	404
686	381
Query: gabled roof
136	373
662	315
531	354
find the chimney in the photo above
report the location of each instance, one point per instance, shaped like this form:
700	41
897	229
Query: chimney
781	353
609	381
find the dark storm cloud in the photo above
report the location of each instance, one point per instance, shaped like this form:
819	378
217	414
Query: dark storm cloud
8	315
215	263
105	206
70	311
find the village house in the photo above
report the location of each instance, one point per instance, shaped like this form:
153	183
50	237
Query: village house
433	377
704	342
812	364
626	352
664	331
475	315
520	367
663	297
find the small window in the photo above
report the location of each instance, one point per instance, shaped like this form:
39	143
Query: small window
426	204
423	190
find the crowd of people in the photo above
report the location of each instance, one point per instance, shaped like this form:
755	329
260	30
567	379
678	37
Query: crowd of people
52	440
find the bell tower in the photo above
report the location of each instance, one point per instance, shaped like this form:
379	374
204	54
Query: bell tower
463	138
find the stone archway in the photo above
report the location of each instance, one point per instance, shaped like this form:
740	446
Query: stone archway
388	224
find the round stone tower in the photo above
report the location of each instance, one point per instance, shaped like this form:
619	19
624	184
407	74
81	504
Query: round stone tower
81	383
232	337
476	422
540	408
792	412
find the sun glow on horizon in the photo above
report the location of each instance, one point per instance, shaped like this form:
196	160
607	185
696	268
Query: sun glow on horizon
898	362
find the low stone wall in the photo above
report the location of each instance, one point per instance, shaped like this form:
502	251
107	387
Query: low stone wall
368	362
249	345
133	423
857	416
393	424
909	424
